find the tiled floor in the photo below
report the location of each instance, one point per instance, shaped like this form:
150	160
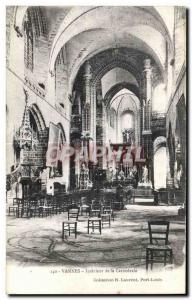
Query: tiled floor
37	241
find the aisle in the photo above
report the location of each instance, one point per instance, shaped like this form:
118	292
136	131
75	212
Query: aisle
37	241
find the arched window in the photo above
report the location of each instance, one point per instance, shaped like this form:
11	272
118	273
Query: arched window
34	26
127	127
28	40
127	120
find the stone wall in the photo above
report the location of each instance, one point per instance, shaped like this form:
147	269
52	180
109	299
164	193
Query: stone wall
179	40
40	85
41	59
9	24
61	80
15	107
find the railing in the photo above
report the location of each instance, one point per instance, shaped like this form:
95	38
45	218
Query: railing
25	171
158	115
21	172
158	121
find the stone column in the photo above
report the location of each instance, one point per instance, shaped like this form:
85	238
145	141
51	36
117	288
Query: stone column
87	112
147	109
147	94
87	92
104	128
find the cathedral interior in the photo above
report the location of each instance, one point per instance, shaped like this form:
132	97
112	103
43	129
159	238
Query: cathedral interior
96	117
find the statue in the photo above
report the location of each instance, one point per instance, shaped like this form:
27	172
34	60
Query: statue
84	177
131	172
114	174
135	176
179	175
127	136
109	174
145	175
121	175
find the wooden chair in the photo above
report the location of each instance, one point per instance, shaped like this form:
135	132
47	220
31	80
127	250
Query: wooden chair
95	211
94	223
84	207
73	213
159	250
13	209
33	209
69	227
108	210
18	207
106	219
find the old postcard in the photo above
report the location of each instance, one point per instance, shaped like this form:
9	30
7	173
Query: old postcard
96	110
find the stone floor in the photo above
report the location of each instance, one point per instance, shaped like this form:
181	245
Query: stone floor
37	241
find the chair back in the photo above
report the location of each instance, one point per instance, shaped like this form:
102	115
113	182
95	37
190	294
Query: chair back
107	207
83	201
158	232
95	204
73	211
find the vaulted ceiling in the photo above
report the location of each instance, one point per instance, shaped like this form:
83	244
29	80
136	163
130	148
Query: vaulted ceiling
125	100
85	32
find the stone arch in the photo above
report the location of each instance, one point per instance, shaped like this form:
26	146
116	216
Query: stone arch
123	106
154	20
180	132
171	149
77	66
160	166
120	102
63	136
35	111
159	142
117	61
116	88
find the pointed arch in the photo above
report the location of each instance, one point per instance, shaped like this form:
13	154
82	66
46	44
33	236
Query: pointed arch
34	109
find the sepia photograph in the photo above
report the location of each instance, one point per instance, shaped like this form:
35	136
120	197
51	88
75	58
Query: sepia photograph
96	150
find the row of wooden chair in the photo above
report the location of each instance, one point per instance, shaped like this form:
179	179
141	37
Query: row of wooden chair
47	206
93	222
157	251
36	207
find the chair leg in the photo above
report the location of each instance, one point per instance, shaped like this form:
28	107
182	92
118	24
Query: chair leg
151	260
62	230
165	258
147	256
75	230
171	256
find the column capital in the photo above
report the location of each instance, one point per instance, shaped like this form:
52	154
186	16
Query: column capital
147	64
147	71
87	70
